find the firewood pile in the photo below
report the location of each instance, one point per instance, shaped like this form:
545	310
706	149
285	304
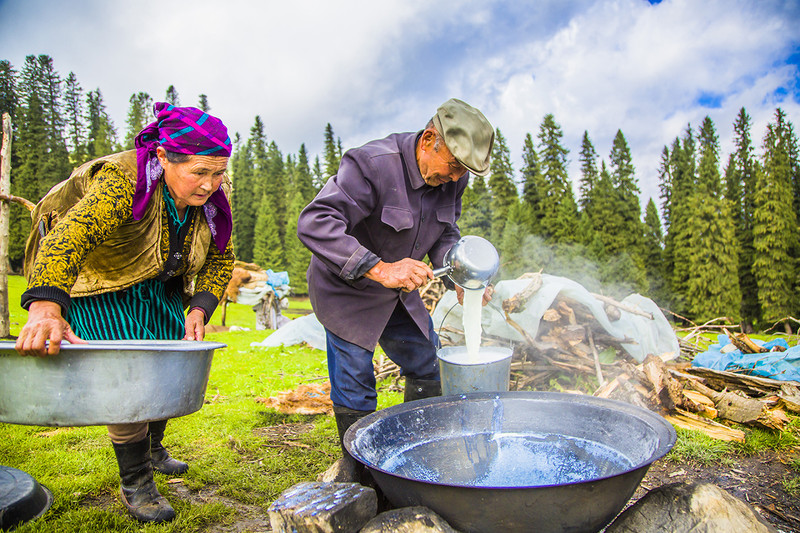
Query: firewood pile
572	352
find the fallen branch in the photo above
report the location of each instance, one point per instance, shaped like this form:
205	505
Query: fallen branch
27	204
623	307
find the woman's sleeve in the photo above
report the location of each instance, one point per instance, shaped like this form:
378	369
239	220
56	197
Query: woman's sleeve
213	278
62	252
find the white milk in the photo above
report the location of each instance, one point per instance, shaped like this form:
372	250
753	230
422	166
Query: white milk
471	319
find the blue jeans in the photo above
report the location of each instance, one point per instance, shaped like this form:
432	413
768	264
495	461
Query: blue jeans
350	366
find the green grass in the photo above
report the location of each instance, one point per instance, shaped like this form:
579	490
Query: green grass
221	443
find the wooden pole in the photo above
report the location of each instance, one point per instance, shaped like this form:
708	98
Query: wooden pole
5	215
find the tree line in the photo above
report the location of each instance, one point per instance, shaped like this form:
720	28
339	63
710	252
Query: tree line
721	239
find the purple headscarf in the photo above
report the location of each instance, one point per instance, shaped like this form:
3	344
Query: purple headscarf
185	130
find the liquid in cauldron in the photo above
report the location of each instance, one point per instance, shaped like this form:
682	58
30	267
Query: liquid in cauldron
506	460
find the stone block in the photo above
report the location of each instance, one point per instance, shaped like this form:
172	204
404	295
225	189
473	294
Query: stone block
408	520
689	508
314	507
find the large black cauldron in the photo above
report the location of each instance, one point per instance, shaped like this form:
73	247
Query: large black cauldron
512	461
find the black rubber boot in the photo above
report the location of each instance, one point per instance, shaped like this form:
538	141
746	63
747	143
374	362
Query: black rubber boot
162	461
417	389
345	418
139	493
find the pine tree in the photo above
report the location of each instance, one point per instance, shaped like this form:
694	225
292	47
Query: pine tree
712	260
202	103
318	178
140	114
172	96
626	186
559	210
303	180
275	188
242	199
532	186
475	212
740	179
297	255
501	185
654	253
30	149
775	231
589	172
102	136
76	130
56	165
332	153
8	89
268	250
679	238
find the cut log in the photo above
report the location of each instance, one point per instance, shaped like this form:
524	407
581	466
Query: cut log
700	403
742	409
715	430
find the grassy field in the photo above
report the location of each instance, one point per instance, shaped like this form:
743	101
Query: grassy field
229	455
236	466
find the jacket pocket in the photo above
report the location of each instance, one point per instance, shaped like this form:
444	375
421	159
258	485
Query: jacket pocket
397	218
446	214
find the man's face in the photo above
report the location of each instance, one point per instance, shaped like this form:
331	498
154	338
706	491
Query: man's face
436	164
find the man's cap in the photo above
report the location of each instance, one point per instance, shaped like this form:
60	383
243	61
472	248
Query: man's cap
467	134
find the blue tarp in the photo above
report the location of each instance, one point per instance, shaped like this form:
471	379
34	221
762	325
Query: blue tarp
783	366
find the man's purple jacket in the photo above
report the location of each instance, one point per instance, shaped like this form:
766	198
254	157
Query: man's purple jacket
376	207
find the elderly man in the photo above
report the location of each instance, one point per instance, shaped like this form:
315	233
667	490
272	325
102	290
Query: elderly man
393	201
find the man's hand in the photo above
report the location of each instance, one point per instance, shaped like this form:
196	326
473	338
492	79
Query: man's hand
487	294
195	325
407	274
45	323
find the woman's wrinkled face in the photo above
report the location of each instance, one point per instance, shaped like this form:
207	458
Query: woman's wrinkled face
192	182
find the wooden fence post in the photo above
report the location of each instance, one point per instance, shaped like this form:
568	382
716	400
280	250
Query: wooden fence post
5	216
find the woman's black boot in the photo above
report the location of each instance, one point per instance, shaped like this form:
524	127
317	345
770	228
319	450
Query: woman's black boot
162	461
139	493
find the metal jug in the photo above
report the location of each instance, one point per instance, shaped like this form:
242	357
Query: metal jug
470	263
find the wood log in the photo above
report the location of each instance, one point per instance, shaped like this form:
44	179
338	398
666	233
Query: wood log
752	385
700	403
667	389
744	343
742	409
790	397
715	430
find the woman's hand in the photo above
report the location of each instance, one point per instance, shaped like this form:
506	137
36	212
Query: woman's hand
45	323
195	325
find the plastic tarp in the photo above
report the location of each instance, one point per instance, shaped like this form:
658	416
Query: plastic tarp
654	336
651	336
303	329
783	366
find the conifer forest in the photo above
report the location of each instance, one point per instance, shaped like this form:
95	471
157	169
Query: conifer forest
721	240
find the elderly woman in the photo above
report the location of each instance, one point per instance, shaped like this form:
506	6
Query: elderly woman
119	250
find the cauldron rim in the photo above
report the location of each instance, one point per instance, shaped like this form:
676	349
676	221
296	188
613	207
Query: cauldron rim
664	445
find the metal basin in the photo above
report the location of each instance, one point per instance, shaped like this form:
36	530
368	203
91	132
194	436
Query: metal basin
104	382
512	461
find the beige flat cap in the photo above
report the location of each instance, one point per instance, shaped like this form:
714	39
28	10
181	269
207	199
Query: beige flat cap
467	134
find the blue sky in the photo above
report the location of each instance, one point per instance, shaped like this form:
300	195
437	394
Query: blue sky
375	67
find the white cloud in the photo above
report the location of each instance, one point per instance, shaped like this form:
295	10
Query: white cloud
371	68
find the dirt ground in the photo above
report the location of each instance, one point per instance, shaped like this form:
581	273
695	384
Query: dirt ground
756	479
